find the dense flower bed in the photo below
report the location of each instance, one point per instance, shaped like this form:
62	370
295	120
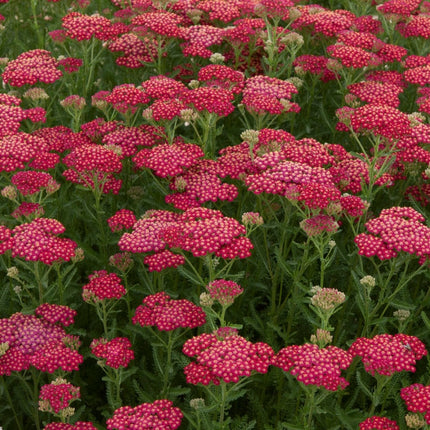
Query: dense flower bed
214	214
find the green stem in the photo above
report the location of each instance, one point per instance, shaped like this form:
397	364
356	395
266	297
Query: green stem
11	404
222	405
167	368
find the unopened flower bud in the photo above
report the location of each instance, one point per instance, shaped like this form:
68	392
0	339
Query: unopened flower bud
402	314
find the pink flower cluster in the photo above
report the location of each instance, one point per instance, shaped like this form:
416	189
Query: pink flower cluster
200	231
224	355
378	423
56	396
93	166
122	219
113	353
166	314
417	399
397	229
31	341
102	286
263	94
39	241
224	291
56	313
387	354
31	67
160	414
79	425
314	366
30	182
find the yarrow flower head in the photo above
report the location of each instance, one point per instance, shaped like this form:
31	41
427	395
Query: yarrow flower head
387	354
93	166
417	399
224	291
32	67
57	396
79	425
31	341
397	229
378	423
30	182
319	224
123	219
327	298
160	414
114	353
102	286
224	355
56	313
314	366
166	314
39	241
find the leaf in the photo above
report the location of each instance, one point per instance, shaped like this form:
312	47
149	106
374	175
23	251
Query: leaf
425	319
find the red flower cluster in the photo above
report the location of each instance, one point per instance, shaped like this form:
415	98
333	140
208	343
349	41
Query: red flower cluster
126	98
102	286
21	149
79	425
217	75
397	229
113	353
128	139
168	160
38	241
263	94
224	291
209	99
378	423
162	260
167	314
56	313
158	415
31	341
31	67
314	366
93	165
83	27
57	395
199	184
386	354
123	219
200	231
27	209
380	120
31	182
417	399
224	355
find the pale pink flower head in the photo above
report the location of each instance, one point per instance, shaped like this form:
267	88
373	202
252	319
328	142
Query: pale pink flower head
319	224
224	291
